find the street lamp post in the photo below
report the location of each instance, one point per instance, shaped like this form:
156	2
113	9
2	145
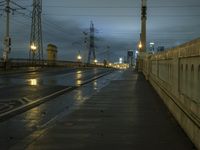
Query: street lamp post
95	61
33	50
79	57
140	46
139	61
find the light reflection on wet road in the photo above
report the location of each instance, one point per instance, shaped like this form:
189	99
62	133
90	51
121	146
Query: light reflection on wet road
19	89
67	78
37	84
15	129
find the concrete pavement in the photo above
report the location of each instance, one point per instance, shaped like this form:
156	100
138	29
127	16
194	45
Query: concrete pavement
125	115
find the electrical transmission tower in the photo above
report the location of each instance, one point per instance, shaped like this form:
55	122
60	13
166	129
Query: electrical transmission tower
92	44
36	43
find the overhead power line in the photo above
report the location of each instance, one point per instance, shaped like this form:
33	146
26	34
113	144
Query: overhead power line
52	27
125	15
121	7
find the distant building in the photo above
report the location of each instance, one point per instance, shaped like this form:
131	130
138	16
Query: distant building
151	48
130	57
160	48
51	53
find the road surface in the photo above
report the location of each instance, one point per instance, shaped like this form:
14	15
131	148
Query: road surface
23	88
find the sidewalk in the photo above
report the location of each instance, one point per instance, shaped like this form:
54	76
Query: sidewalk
125	115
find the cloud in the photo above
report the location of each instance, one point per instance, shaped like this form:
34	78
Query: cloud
118	24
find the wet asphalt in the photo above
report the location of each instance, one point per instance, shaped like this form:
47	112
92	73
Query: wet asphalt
127	114
38	84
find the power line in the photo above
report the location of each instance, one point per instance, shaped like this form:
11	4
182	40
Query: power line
19	6
89	15
46	22
121	7
52	26
46	31
120	15
58	27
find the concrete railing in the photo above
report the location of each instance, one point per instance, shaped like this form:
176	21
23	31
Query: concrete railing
175	74
44	63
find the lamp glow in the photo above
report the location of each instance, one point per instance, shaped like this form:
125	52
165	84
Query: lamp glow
33	47
140	45
120	60
79	57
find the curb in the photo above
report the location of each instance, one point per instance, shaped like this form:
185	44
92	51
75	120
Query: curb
33	104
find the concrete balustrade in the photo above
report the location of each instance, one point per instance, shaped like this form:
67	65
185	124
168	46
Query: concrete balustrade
175	74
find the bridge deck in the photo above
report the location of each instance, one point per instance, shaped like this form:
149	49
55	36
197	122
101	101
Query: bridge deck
125	115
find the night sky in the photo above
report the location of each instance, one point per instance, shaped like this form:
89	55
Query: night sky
117	23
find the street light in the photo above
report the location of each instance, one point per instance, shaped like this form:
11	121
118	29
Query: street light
120	60
79	57
33	49
95	61
140	45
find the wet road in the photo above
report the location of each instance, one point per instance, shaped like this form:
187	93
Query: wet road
27	126
19	89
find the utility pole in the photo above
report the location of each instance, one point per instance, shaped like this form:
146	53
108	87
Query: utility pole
10	6
92	44
7	39
143	25
36	42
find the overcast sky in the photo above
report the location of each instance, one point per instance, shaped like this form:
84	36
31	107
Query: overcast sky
117	23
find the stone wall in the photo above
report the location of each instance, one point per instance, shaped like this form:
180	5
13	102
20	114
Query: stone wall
175	74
